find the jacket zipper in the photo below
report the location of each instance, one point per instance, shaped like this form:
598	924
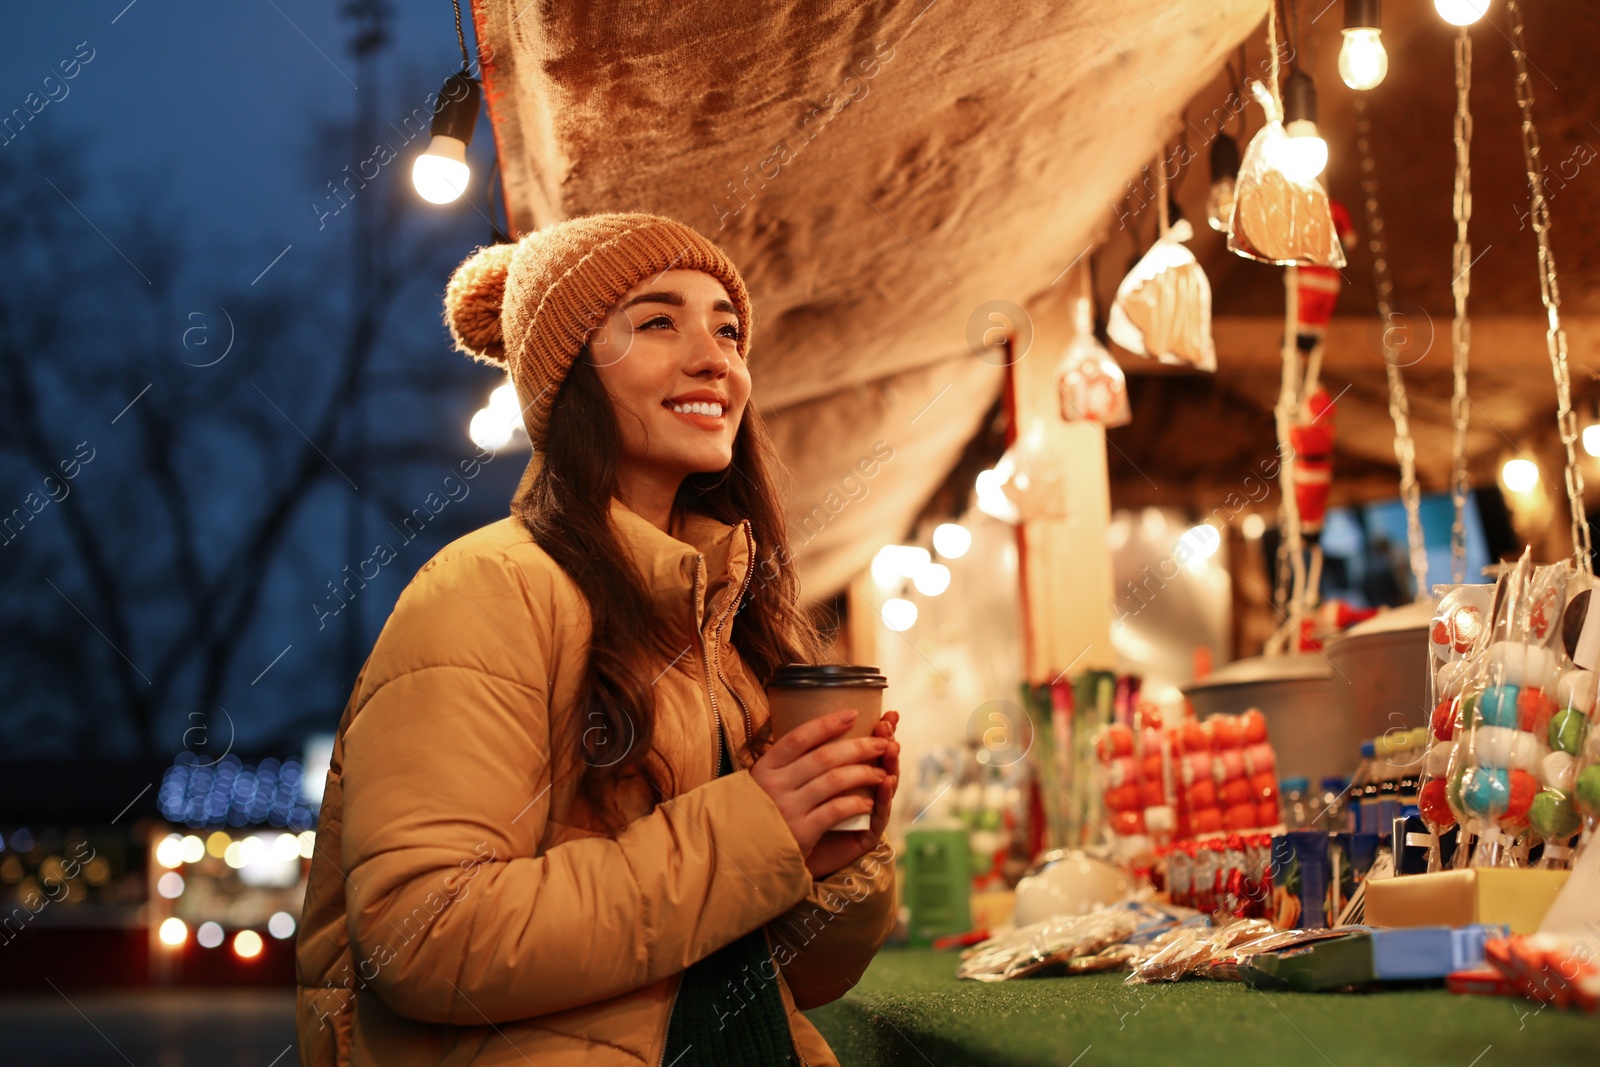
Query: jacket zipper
672	1001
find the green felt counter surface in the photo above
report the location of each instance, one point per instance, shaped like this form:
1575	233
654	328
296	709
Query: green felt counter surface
909	1008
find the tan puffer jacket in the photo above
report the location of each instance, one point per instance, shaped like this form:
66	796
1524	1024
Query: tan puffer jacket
464	905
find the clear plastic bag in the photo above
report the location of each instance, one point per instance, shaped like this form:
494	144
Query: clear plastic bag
1190	948
1277	218
1456	636
1163	306
1091	384
1571	797
1502	757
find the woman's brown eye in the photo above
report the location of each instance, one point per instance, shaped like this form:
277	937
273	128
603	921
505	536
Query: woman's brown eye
651	322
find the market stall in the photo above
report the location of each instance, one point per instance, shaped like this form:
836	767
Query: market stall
1239	626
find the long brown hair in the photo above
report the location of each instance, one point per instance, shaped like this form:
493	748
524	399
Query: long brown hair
566	507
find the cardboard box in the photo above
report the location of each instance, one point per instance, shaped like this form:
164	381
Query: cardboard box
1515	898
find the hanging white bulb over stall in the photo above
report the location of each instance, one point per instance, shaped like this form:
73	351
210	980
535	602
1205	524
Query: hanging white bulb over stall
1302	154
440	174
1461	12
1363	61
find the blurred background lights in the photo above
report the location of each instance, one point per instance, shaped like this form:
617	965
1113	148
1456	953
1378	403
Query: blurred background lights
209	935
1253	526
170	885
898	614
247	944
308	843
893	564
932	579
1591	439
1461	12
952	540
217	843
173	931
230	792
194	849
281	925
169	853
1520	475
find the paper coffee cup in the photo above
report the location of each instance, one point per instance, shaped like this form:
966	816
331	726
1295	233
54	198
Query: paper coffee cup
801	692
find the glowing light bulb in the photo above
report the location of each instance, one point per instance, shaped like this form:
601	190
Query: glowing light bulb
1363	61
1591	441
209	935
1461	12
281	925
1302	154
898	614
247	944
173	931
440	174
932	579
489	430
169	853
952	540
1520	475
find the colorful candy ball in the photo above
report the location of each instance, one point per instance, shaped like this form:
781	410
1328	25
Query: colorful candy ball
1239	817
1576	688
1128	822
1115	740
1438	759
1586	790
1534	710
1253	726
1225	731
1444	719
1486	791
1497	705
1557	770
1524	787
1434	804
1267	813
1553	816
1566	730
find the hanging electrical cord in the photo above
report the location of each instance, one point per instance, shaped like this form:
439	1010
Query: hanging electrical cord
1460	326
1550	294
1405	449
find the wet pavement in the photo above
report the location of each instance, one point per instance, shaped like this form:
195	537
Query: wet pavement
150	1028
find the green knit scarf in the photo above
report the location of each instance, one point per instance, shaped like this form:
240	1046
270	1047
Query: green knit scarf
728	1011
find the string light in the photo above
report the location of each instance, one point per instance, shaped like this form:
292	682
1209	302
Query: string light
1363	62
1302	154
1461	12
1520	475
441	173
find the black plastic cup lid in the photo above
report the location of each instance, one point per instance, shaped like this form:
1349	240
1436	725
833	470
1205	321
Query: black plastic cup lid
826	675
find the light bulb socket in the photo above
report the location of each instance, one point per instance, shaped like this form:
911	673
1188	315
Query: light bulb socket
455	113
1299	98
1224	158
1361	15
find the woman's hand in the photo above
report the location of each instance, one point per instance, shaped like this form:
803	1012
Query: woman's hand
837	849
806	770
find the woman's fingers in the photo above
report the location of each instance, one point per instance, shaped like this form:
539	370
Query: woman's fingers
883	802
808	735
836	811
820	789
836	753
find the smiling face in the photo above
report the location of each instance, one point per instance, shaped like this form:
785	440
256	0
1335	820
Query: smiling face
669	359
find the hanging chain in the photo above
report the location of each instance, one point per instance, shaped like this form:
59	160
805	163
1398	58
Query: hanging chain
1460	327
1405	449
1555	337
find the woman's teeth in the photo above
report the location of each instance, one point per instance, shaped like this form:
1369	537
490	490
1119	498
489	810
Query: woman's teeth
698	407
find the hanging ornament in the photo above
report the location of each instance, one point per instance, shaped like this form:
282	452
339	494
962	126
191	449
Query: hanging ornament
1092	386
1280	211
1029	475
1163	307
1311	437
1319	287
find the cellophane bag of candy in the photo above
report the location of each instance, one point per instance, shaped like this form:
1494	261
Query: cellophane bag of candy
1457	636
1571	797
1505	759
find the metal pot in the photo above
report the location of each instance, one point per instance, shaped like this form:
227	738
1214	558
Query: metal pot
1310	731
1381	670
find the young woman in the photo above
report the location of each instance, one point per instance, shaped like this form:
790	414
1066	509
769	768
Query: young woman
557	828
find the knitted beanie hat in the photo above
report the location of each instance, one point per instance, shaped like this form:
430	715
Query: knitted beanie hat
530	306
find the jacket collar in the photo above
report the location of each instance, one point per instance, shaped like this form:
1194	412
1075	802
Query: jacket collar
671	565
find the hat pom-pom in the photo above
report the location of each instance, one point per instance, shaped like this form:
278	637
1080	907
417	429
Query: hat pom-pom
472	302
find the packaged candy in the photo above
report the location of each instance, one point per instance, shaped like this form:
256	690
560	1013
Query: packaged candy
1163	307
1092	386
1280	216
1525	705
